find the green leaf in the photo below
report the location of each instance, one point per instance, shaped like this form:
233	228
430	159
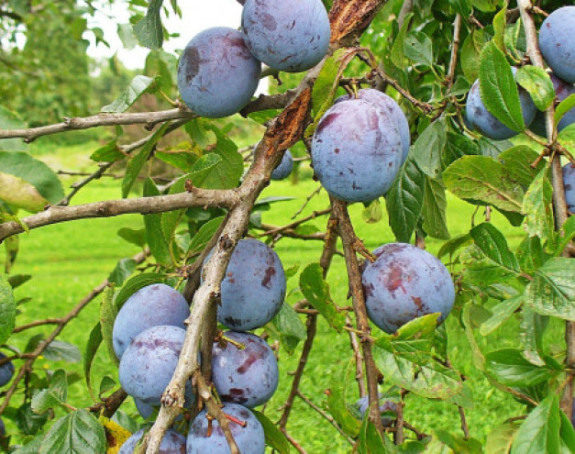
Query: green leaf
499	22
31	447
501	313
53	396
404	200
149	30
7	309
564	106
565	235
530	254
428	148
510	368
161	65
538	84
500	439
552	291
204	235
531	331
274	437
517	162
11	120
108	312
339	410
18	193
372	213
127	36
567	433
62	351
108	153
137	237
94	341
123	270
326	84
538	209
459	444
452	246
486	6
316	290
159	246
137	162
470	53
33	172
289	326
540	432
418	47
434	209
370	441
138	86
498	88
398	48
494	246
77	432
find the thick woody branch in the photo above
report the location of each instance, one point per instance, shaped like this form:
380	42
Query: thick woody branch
143	205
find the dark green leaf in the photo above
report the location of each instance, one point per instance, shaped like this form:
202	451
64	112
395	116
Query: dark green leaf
428	148
136	283
204	235
137	237
494	246
7	309
94	341
532	330
53	396
552	291
517	162
502	312
434	207
398	48
537	208
540	432
470	52
564	106
149	30
29	422
486	5
274	437
16	281
289	326
108	153
509	368
77	432
538	84
567	434
154	236
62	351
326	84
418	47
138	86
124	268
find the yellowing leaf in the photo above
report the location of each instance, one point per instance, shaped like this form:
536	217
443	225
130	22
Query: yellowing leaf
116	435
16	191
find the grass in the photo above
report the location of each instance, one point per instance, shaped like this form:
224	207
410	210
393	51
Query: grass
68	260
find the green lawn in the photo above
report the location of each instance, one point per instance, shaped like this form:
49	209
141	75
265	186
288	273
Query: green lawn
68	260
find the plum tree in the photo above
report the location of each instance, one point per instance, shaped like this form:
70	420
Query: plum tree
6	371
569	185
217	74
388	410
173	443
254	286
148	363
247	376
357	150
403	283
284	168
206	435
156	304
486	123
562	91
556	42
287	36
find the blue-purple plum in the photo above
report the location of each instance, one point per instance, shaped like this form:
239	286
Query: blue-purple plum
250	437
6	371
569	186
557	44
173	443
288	36
149	362
284	168
2	428
157	304
391	108
217	74
485	123
403	283
247	376
562	91
357	150
387	409
254	286
145	410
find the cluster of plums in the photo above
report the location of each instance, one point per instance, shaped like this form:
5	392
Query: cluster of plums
219	70
6	374
149	333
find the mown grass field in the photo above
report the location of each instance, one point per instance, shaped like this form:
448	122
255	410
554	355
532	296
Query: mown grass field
68	260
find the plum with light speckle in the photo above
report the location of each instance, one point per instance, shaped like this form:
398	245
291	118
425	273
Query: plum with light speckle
284	168
247	376
288	36
254	286
173	443
569	186
250	437
149	362
557	44
217	74
403	283
157	304
357	150
484	122
562	90
387	409
6	371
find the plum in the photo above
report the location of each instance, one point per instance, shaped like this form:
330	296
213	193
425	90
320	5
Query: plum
389	105
149	362
247	376
484	122
387	409
157	304
403	283
254	286
217	74
569	186
2	428
284	168
288	36
557	44
562	91
208	437
173	443
357	150
6	371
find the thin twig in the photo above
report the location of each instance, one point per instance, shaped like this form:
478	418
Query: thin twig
454	51
306	202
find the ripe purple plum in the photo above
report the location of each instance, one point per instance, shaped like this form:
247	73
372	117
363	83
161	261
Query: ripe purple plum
2	428
484	122
562	91
247	376
149	362
6	371
569	186
287	36
284	168
387	409
254	286
403	283
217	74
391	108
557	44
357	150
157	304
250	437
173	443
